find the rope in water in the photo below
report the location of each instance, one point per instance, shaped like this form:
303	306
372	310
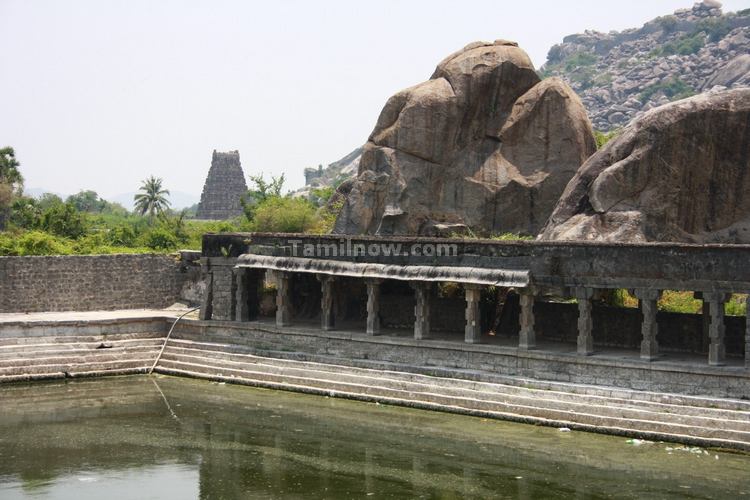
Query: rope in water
164	346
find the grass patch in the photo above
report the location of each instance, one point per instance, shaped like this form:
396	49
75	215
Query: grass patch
579	60
510	237
603	138
683	46
674	89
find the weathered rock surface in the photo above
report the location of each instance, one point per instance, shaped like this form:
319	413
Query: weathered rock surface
482	145
681	172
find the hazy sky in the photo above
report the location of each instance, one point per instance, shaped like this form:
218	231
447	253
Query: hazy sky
101	94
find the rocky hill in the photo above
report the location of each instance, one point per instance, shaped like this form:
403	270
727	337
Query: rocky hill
619	75
332	175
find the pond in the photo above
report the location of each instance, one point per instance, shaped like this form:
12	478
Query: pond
163	437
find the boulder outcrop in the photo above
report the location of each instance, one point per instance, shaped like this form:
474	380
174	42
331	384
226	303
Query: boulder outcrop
680	172
484	145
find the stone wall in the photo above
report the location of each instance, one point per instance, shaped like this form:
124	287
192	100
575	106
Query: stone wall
97	282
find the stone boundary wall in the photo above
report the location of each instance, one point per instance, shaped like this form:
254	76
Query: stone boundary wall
97	282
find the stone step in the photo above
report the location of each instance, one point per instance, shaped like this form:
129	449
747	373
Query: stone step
629	427
11	342
110	355
707	407
539	408
75	372
74	367
485	392
473	375
49	351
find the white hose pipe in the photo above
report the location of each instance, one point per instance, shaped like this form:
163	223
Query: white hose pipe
164	346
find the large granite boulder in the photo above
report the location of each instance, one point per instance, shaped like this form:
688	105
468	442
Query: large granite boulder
482	145
681	172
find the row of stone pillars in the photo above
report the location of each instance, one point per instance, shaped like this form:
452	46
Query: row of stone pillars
472	334
423	294
648	298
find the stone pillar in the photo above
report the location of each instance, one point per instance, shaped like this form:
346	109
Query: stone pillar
704	339
649	327
527	334
241	309
373	306
716	329
207	302
422	310
326	301
473	329
283	299
585	336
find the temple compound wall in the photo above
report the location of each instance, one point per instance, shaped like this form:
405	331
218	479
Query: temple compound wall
516	308
98	282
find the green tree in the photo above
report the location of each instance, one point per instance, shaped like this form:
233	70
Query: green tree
87	201
9	173
261	191
153	200
11	182
48	200
64	220
26	213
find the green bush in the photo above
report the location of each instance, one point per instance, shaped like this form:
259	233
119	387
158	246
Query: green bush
714	28
674	89
320	196
160	239
579	60
123	235
603	138
736	305
64	220
284	214
41	243
684	46
667	23
7	244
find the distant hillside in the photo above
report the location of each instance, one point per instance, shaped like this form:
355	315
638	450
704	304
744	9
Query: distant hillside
619	75
332	175
178	199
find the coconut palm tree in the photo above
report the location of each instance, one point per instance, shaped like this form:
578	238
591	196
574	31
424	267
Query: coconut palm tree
153	200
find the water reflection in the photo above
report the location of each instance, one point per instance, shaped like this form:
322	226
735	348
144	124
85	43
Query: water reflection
133	438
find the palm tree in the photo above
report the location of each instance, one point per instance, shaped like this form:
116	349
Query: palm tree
153	199
9	173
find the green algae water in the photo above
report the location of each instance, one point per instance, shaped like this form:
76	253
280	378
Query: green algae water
161	437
